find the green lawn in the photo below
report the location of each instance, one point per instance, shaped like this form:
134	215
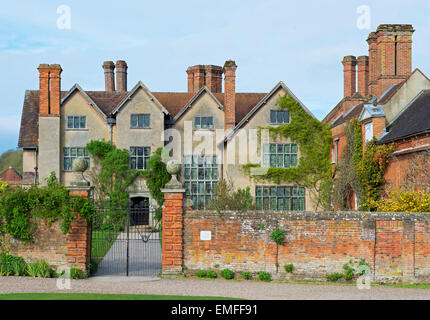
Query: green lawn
100	296
101	241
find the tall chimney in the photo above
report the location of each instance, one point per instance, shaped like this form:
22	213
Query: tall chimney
121	75
204	75
229	94
373	63
363	75
109	67
349	75
49	89
213	78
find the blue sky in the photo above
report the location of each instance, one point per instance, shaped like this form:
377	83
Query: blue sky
298	42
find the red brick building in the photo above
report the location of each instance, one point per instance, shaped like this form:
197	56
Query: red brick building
11	176
389	99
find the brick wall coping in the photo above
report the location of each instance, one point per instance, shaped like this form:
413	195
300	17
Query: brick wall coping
308	215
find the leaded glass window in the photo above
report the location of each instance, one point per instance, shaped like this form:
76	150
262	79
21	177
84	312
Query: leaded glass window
280	198
141	120
70	154
276	155
76	122
200	179
139	157
279	116
203	123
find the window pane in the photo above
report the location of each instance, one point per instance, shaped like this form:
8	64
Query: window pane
201	188
66	152
133	163
208	174
194	187
204	122
280	161
294	160
83	122
273	204
280	148
76	122
266	148
139	163
294	148
133	121
73	152
266	160
272	116
287	161
294	205
266	191
146	121
280	191
273	191
259	191
266	204
210	122
287	148
140	120
208	188
294	189
139	151
287	204
258	202
273	148
273	160
302	204
146	151
194	174
215	173
279	117
70	122
287	191
187	173
201	174
302	191
286	117
197	122
280	204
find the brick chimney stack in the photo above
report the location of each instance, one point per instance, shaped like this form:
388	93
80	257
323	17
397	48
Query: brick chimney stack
121	75
49	89
229	94
349	75
109	67
363	75
372	40
204	75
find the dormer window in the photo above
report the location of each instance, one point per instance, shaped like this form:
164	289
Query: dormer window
140	120
203	123
76	122
279	116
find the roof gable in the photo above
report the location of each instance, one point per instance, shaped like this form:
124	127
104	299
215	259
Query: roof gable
194	99
11	176
77	87
263	101
129	96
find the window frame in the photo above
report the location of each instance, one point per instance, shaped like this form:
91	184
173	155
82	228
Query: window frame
366	126
296	196
207	118
277	154
145	156
140	120
86	156
73	127
277	112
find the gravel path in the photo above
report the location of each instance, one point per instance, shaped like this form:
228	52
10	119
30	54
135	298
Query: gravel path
195	287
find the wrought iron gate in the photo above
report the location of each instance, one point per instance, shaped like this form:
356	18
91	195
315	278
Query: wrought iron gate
126	240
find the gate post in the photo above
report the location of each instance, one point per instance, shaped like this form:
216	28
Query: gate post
79	236
172	223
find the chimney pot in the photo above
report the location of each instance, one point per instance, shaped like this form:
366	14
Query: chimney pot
109	67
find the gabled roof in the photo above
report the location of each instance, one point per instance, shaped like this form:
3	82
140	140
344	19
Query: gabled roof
370	111
414	120
262	103
11	176
139	85
194	99
77	87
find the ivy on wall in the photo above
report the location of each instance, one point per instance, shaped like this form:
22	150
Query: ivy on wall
314	141
18	207
360	171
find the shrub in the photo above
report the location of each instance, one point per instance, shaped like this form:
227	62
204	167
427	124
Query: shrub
201	273
349	272
227	274
11	265
226	198
19	267
289	267
278	236
246	275
216	266
211	274
264	276
333	277
398	200
43	270
76	273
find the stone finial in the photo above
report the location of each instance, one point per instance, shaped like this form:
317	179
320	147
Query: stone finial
173	167
80	165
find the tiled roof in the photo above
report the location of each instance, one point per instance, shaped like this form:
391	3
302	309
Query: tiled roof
414	120
11	177
352	113
174	102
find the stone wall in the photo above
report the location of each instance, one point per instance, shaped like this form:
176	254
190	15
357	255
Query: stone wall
396	245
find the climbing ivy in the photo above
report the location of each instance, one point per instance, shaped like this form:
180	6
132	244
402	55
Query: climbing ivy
19	206
314	140
361	171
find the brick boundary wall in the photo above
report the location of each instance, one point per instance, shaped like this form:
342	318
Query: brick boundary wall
396	245
51	245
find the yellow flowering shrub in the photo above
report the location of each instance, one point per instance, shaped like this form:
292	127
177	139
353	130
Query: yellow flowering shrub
3	186
398	200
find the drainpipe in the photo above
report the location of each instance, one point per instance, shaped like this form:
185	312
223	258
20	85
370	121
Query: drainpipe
111	122
35	166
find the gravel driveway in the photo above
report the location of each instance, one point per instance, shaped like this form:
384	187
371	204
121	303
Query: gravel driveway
194	287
